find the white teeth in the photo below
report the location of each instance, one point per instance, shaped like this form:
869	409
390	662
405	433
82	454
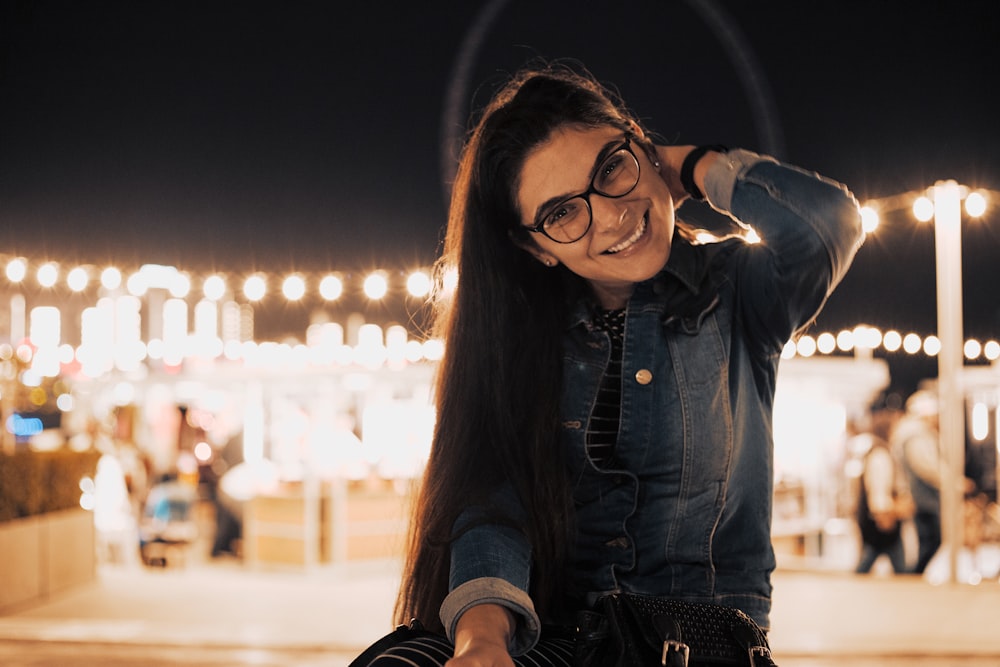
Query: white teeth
630	240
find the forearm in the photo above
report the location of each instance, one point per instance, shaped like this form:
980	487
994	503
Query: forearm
525	626
800	215
809	229
484	628
791	195
491	565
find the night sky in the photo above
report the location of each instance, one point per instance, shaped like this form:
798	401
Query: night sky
310	136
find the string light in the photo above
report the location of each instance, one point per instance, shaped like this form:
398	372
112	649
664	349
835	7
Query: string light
111	278
255	287
214	288
77	279
47	274
331	286
16	270
294	287
376	286
868	338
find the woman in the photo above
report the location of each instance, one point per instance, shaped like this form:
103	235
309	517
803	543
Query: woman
604	405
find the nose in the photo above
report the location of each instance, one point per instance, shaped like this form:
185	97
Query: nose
608	214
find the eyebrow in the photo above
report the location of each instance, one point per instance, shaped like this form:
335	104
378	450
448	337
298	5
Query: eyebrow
558	199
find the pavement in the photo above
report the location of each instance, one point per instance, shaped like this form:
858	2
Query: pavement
221	612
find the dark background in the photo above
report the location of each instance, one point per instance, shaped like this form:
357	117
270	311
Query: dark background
279	136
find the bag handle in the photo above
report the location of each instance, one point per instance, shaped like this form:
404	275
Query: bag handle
759	654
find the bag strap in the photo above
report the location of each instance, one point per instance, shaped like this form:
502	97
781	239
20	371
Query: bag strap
675	652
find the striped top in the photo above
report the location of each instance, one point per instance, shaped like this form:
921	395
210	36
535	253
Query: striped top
602	430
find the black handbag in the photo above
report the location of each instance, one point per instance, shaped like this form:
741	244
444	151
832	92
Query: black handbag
630	630
401	634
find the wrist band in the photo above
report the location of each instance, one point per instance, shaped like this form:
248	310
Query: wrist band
687	169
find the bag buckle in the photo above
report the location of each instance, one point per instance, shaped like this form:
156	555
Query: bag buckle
676	652
760	656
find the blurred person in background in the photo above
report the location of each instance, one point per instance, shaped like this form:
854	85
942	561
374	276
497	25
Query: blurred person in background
884	499
916	441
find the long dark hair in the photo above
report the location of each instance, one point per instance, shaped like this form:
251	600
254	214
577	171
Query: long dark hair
499	383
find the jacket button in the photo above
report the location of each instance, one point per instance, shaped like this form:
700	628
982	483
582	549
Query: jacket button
643	376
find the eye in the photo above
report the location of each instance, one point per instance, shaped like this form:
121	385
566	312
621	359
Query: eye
610	169
563	214
556	217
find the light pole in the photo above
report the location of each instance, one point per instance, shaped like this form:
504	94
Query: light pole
943	203
947	197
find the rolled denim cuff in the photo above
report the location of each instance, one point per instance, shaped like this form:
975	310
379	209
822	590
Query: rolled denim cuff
491	590
722	175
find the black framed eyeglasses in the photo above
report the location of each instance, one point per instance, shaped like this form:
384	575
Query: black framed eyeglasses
570	219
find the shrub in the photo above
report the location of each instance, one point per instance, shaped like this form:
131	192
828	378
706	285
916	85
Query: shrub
38	482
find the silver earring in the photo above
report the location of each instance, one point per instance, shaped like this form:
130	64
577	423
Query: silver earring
656	165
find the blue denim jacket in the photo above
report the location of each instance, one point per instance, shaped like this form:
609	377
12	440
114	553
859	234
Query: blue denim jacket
688	511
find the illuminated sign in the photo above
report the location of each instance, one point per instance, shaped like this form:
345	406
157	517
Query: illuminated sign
24	427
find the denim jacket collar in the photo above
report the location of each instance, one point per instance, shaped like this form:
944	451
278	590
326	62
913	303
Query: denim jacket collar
685	290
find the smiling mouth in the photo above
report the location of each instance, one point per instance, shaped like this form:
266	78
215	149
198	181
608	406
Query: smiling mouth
636	235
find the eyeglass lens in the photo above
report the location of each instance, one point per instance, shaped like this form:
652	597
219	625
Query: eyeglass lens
616	177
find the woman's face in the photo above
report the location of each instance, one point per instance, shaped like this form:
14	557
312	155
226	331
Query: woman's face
629	238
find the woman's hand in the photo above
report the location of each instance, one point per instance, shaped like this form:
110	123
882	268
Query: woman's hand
481	637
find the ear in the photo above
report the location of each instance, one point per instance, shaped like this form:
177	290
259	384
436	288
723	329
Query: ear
530	246
646	144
